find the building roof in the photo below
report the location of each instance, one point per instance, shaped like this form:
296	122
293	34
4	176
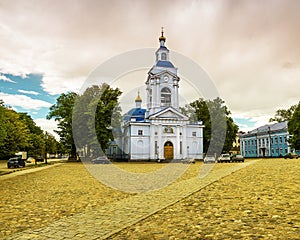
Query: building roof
268	128
164	64
137	113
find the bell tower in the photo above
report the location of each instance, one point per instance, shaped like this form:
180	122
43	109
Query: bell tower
162	82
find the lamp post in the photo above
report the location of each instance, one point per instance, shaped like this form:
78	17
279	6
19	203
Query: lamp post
46	141
187	148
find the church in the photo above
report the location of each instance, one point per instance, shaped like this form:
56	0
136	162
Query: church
161	131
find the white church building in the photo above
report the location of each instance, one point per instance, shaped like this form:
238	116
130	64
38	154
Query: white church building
161	131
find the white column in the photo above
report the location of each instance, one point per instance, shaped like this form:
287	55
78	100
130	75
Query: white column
157	93
176	104
160	142
184	142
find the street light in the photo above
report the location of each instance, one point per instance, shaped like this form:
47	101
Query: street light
46	138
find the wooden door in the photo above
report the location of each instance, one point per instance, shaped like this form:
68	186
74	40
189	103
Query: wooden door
168	150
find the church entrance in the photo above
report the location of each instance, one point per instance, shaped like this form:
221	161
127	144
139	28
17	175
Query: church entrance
168	150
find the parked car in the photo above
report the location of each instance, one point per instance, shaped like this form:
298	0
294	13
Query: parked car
224	158
39	159
209	159
237	158
15	162
291	155
100	160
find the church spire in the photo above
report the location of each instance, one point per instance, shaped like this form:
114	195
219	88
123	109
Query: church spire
138	101
162	38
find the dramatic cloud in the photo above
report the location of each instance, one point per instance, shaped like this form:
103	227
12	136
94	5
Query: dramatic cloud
250	48
16	100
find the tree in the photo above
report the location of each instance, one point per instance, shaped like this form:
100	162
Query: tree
14	132
294	127
96	113
62	111
36	140
219	126
283	115
3	132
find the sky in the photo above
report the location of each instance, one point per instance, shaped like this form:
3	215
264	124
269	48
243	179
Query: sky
250	49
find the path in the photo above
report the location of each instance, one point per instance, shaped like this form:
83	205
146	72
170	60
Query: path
26	171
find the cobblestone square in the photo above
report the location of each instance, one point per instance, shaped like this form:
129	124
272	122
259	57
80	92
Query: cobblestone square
257	200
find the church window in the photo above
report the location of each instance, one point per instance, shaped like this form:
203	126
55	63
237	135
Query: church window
194	134
165	97
140	132
164	56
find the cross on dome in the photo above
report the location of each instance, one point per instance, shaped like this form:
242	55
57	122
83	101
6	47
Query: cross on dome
162	38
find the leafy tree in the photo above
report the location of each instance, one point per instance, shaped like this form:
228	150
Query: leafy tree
283	115
294	127
219	129
36	140
95	112
108	113
15	134
3	132
51	144
61	111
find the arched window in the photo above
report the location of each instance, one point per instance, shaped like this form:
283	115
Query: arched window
165	97
163	56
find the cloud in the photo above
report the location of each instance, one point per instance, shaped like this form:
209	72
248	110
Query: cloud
250	48
47	125
28	92
6	79
250	120
23	101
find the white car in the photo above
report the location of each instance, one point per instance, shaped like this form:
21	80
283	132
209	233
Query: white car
224	158
209	159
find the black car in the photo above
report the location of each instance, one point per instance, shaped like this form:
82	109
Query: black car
15	162
291	156
39	159
100	160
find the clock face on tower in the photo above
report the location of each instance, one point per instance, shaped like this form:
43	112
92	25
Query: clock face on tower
166	78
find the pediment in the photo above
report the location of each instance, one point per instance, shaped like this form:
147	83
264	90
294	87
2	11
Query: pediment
169	113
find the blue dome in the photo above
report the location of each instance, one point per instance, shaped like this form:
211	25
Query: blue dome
164	64
137	113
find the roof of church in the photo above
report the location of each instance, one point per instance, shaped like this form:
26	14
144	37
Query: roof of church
164	64
137	113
